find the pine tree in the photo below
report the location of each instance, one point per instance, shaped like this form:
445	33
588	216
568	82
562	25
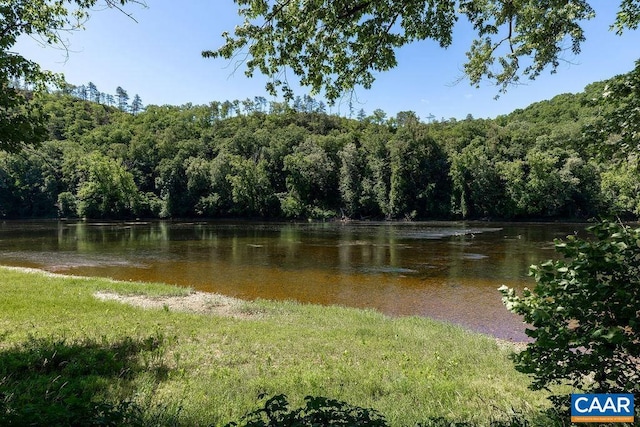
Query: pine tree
81	92
122	99
136	105
93	92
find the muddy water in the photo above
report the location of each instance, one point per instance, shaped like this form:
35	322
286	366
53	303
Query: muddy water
447	271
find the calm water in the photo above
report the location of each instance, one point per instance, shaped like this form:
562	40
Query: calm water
447	271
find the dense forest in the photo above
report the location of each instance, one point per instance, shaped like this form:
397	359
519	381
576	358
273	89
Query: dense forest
252	158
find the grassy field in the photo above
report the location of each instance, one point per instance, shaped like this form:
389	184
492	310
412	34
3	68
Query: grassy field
66	353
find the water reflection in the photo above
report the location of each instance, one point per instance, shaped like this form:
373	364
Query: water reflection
448	271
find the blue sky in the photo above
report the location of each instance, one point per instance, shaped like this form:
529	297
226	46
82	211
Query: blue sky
159	58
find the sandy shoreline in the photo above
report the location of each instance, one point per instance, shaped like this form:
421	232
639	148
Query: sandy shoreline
194	302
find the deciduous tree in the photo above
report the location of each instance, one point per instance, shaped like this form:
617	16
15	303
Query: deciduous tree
342	44
619	123
109	190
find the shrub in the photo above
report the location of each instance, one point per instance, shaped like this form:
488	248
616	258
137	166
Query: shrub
585	314
318	411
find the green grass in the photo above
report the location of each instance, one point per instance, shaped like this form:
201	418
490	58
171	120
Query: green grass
61	349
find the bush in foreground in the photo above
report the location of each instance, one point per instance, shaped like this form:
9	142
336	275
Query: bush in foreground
322	411
585	313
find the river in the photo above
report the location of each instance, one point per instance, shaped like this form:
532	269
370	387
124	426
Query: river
444	270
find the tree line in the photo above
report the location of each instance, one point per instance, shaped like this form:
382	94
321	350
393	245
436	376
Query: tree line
90	92
293	160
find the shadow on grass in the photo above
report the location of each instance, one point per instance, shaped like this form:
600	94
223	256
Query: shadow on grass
48	381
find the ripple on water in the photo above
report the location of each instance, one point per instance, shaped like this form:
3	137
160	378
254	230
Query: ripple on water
474	257
388	269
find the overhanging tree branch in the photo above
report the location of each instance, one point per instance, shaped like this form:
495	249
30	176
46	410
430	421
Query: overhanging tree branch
340	33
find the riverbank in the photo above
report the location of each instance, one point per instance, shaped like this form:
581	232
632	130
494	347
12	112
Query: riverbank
70	345
441	271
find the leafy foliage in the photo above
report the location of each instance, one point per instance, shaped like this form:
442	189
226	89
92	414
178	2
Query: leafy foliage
620	189
585	314
322	411
614	133
318	411
205	161
108	190
21	122
340	44
208	161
